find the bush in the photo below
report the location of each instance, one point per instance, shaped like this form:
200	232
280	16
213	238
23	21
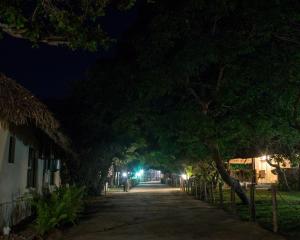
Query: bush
61	207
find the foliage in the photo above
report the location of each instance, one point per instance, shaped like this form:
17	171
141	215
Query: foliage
61	207
73	23
192	79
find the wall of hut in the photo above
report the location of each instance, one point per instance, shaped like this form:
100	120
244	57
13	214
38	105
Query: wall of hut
14	179
242	169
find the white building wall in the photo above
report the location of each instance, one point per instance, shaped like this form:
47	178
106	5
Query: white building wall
13	176
13	180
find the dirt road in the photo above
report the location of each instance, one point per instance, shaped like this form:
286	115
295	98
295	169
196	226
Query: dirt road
154	211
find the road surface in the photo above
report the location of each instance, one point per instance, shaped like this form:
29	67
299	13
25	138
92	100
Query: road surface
155	211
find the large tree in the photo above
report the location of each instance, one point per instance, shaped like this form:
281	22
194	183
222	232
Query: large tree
221	64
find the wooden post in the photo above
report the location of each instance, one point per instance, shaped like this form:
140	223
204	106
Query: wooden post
221	194
252	203
193	187
200	190
252	193
205	191
274	209
196	189
232	198
187	186
212	193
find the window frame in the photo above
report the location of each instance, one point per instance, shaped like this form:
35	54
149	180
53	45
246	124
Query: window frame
12	150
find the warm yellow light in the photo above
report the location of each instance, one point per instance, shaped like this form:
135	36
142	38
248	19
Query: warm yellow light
264	157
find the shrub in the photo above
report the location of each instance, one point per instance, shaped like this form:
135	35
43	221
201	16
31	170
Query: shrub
61	207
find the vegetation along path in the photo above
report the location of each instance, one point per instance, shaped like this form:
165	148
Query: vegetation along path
154	211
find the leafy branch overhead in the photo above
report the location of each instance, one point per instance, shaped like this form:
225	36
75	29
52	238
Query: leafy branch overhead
76	24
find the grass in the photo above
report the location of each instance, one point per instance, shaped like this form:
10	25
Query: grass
288	210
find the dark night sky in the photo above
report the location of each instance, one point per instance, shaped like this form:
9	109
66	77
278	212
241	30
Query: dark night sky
47	71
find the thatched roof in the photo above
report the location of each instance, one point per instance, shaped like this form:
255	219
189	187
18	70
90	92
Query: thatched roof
18	107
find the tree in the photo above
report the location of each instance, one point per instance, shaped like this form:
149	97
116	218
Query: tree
200	81
76	24
221	63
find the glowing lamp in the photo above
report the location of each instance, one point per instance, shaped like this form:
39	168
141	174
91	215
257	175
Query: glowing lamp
184	176
264	157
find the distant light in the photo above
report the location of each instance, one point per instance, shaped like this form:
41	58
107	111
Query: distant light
138	174
264	157
124	174
184	176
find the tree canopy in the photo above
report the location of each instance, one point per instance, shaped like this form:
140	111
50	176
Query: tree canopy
194	81
212	80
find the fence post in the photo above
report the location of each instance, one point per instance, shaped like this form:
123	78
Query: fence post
193	187
221	194
196	189
212	193
232	198
205	191
274	209
200	190
252	203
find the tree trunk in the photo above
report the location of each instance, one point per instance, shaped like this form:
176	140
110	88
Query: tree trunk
225	175
281	174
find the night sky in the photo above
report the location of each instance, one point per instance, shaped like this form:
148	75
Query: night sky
47	70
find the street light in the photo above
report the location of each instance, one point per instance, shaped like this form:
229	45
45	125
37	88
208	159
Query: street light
139	173
124	174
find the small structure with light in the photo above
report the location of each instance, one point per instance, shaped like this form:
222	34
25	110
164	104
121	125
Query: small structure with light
139	173
124	174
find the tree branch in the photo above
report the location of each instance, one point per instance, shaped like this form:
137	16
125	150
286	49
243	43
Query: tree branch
220	78
272	164
287	39
204	105
20	33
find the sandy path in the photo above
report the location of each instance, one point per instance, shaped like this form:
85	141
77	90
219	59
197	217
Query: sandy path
154	211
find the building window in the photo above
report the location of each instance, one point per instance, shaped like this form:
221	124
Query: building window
31	170
262	174
11	150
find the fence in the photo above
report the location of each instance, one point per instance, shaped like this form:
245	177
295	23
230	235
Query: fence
273	209
11	213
